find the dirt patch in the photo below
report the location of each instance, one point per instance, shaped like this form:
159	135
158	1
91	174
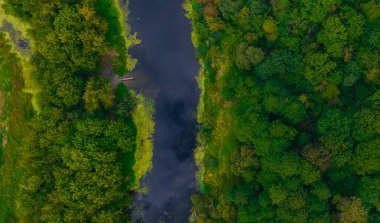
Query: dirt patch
1	103
5	142
108	68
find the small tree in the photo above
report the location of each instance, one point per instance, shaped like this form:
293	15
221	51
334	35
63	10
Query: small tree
98	93
351	210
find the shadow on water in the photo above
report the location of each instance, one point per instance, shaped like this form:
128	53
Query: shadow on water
166	70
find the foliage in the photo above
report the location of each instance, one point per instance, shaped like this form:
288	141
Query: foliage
143	117
76	161
117	37
289	111
98	93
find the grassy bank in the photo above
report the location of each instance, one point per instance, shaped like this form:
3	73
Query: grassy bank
15	111
143	118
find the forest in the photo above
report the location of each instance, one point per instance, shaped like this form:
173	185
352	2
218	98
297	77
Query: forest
290	110
288	117
78	152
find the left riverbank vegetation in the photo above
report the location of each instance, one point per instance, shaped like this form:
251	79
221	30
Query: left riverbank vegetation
74	157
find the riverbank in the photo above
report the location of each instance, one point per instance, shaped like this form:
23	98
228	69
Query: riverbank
84	127
289	111
115	64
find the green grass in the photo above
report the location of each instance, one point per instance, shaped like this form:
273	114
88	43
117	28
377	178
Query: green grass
1	149
143	118
16	111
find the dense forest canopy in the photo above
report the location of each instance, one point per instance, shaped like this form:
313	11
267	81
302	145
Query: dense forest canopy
289	113
76	162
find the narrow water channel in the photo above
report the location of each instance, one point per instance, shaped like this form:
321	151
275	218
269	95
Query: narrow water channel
167	69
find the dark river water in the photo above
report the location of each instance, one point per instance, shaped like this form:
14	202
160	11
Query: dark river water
167	69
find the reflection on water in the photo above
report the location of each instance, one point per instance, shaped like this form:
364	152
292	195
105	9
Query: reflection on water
166	70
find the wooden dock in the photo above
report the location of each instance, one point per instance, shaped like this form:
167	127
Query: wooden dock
127	79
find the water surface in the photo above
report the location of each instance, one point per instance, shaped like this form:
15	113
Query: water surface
167	69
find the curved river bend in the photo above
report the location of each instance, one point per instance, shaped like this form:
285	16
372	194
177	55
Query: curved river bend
167	69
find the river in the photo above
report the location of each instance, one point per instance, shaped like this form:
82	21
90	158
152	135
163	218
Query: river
167	69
